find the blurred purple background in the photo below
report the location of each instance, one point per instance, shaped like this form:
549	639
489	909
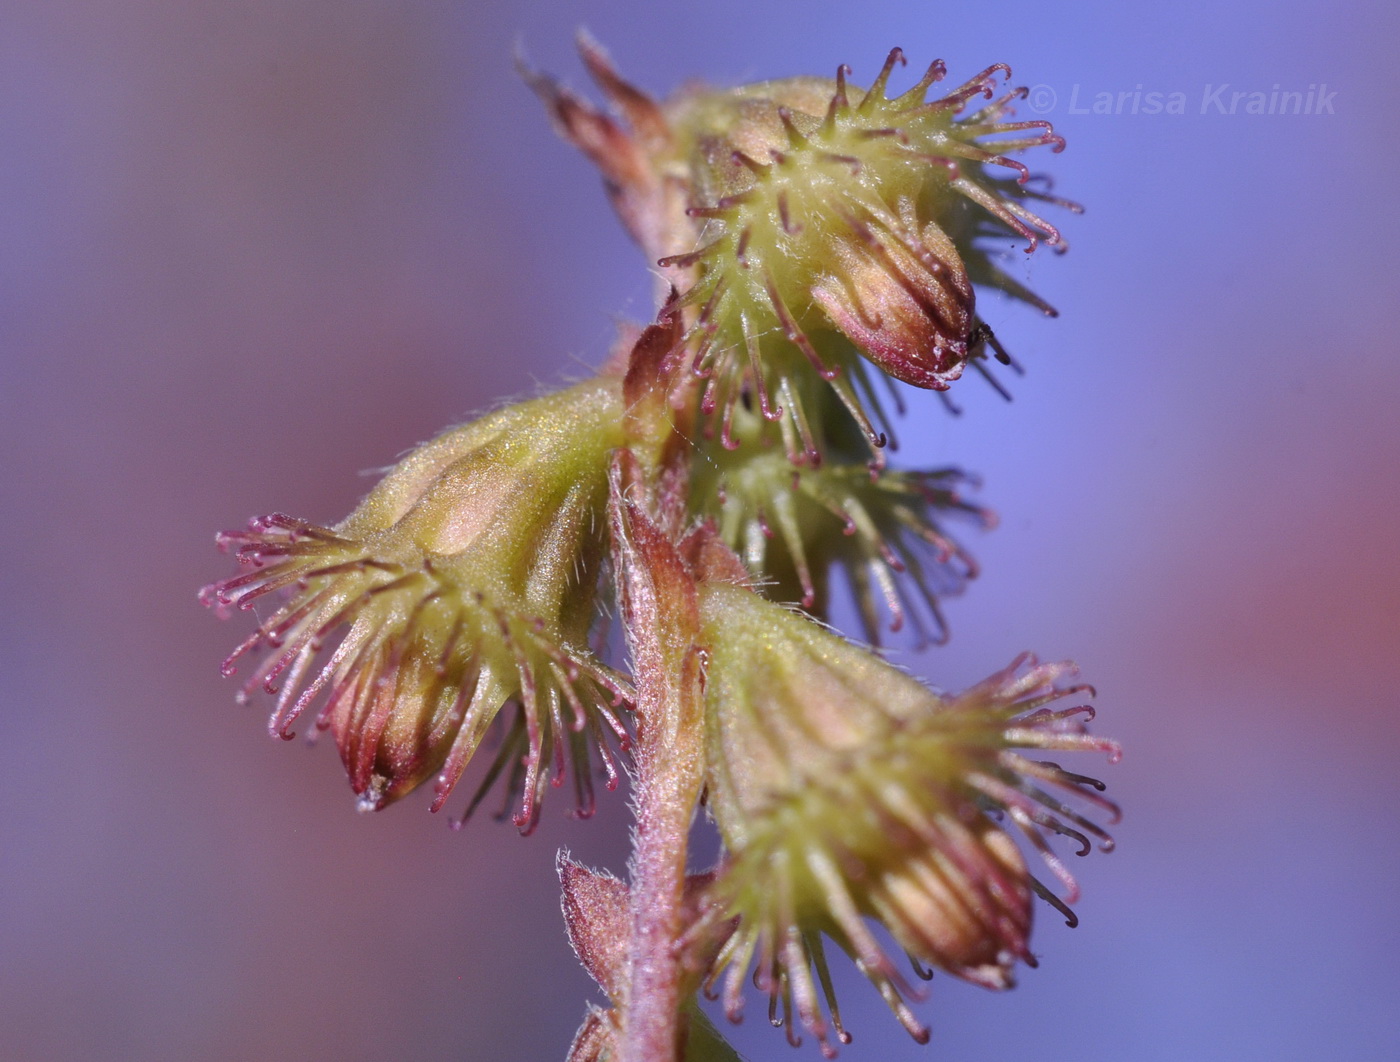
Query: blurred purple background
248	249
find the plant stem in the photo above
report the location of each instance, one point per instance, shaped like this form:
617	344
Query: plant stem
668	787
661	617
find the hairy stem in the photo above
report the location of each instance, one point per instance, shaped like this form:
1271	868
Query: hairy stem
661	616
668	787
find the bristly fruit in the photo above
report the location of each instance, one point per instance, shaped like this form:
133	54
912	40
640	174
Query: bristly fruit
846	790
827	222
464	581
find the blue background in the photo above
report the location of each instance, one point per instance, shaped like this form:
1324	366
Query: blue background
250	248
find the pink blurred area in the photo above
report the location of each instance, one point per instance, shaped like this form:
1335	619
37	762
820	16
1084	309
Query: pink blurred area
251	249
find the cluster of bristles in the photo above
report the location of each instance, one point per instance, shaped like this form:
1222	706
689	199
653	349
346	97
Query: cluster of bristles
410	636
873	183
883	529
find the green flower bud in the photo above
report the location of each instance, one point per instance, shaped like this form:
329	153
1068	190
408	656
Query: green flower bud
464	581
847	791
